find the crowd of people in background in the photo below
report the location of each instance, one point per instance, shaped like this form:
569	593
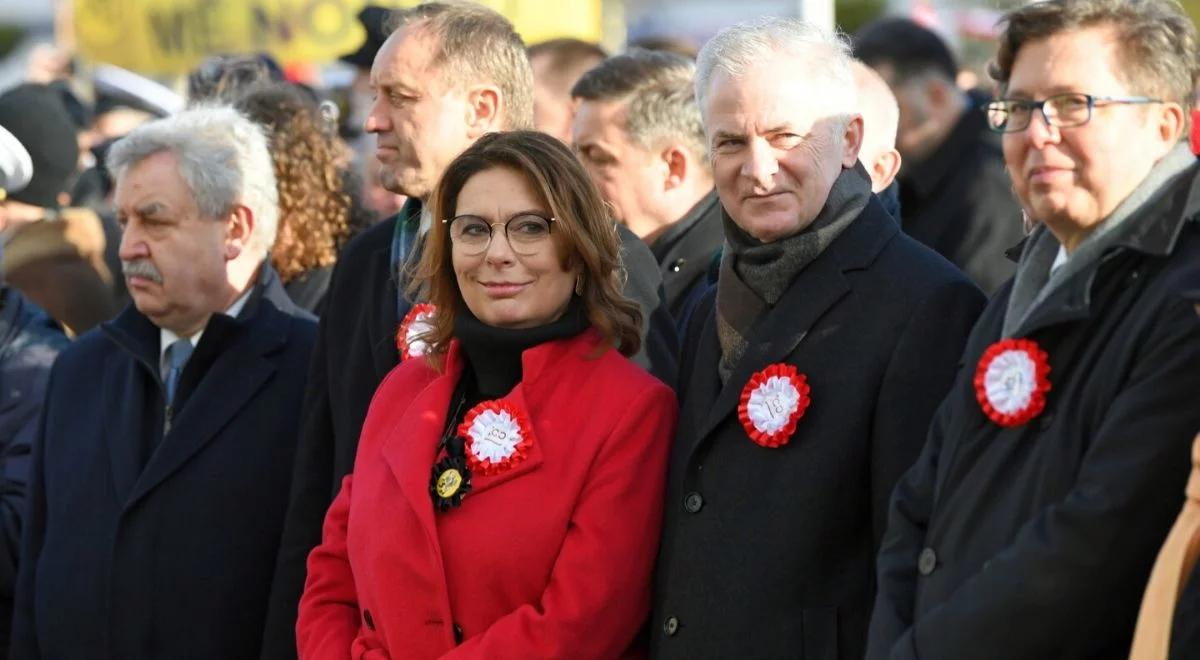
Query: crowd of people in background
782	346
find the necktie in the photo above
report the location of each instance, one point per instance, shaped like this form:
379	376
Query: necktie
177	356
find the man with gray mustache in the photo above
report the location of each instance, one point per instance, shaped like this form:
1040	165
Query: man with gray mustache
161	471
141	268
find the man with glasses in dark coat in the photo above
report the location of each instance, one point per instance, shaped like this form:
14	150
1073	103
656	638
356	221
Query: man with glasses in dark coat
1054	469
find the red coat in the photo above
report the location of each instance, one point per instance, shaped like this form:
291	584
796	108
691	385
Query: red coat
551	559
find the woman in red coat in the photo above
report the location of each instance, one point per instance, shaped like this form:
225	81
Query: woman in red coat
507	493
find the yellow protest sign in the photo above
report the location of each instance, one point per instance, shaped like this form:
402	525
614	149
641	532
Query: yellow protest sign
173	36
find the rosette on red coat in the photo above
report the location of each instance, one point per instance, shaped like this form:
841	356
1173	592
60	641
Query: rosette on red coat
1012	380
498	437
417	322
772	402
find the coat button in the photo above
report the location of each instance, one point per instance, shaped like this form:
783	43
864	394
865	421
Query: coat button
458	634
693	502
671	626
926	561
678	265
368	620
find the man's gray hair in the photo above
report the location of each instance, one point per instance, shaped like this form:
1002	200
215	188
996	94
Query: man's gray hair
476	44
823	59
656	88
223	158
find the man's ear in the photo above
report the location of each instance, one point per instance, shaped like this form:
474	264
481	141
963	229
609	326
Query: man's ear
884	170
239	231
852	138
677	166
483	110
1171	123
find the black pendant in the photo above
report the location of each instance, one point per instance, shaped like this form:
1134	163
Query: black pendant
450	480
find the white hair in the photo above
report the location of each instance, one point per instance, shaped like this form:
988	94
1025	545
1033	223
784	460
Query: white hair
223	158
822	59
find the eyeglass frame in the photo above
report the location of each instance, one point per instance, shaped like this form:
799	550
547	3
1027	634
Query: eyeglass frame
492	231
1040	106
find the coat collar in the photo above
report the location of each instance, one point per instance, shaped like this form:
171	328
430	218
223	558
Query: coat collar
814	291
410	455
1153	231
219	387
709	207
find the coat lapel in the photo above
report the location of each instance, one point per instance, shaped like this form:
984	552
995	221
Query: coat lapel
132	396
533	460
124	440
779	333
813	293
237	374
410	453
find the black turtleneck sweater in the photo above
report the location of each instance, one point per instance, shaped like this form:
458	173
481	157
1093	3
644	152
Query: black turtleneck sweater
492	356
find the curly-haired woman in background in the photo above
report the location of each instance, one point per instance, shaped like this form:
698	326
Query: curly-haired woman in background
315	207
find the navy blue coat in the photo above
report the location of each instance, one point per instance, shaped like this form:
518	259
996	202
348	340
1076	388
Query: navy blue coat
173	560
29	342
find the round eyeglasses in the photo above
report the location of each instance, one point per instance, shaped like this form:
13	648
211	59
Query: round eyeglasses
526	232
1060	110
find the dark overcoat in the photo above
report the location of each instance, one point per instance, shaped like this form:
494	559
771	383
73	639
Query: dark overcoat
173	559
356	348
1036	541
686	251
769	553
958	200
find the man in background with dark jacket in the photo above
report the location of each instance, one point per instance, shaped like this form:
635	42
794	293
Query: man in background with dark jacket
638	133
29	343
955	196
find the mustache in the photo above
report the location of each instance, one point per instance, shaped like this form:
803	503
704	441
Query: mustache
141	268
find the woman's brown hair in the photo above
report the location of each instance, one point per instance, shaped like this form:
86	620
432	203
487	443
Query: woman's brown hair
314	209
582	228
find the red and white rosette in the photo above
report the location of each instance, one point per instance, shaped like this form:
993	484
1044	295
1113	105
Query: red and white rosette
1012	380
498	437
417	322
772	402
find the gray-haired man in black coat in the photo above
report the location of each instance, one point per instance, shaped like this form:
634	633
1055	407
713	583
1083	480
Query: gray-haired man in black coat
810	375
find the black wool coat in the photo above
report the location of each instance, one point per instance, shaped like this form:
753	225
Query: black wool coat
686	251
356	348
173	559
959	201
1036	541
769	553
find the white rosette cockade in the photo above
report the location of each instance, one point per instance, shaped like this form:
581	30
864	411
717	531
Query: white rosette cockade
498	437
772	402
1012	380
410	337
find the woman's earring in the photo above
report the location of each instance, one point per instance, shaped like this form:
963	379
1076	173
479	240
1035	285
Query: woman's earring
579	285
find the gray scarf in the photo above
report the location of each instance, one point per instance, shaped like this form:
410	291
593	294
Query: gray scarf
755	275
1034	283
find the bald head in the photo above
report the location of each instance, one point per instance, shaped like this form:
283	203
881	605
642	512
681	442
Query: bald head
881	116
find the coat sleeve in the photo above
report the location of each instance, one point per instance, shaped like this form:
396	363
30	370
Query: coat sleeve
909	512
918	377
24	642
598	594
659	353
309	498
329	617
1115	517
